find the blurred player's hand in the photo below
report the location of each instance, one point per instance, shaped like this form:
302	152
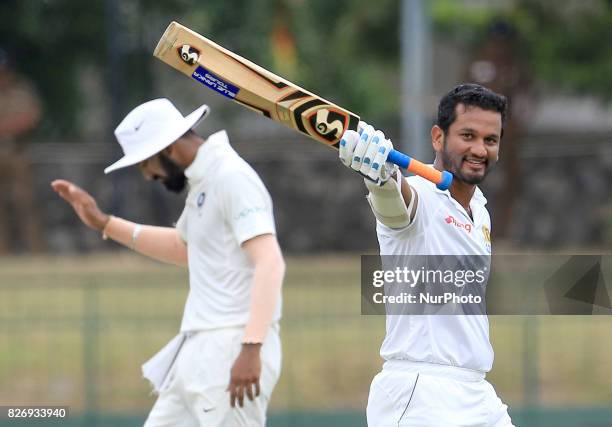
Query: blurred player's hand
366	152
245	375
83	204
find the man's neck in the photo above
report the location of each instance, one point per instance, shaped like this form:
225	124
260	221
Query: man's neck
188	150
462	193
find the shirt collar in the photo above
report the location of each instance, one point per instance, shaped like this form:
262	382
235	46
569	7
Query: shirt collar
208	157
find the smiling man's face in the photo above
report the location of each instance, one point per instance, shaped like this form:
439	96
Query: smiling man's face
470	147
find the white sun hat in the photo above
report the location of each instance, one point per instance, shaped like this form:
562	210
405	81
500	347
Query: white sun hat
151	127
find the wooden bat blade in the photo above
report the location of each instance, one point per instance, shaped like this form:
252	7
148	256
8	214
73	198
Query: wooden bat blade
253	86
249	84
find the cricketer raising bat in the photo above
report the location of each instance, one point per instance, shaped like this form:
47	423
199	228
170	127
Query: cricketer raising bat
266	93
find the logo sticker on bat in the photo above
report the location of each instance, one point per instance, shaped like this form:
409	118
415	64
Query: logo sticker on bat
215	82
189	54
325	124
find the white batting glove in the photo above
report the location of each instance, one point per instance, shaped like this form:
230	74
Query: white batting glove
366	152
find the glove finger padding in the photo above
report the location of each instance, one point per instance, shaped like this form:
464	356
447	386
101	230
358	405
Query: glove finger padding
381	170
361	147
373	145
361	126
347	147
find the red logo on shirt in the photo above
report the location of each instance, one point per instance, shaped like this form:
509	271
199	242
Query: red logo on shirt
451	220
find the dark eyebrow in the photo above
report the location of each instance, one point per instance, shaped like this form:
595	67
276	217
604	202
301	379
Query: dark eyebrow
470	130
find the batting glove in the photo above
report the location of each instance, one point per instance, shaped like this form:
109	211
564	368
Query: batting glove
366	152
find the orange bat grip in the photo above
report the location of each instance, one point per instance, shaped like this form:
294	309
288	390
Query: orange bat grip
427	172
442	179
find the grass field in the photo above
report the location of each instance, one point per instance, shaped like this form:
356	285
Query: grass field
74	331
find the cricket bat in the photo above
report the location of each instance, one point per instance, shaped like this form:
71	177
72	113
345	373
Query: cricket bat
266	93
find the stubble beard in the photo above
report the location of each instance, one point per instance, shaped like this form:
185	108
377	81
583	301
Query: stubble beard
176	180
454	164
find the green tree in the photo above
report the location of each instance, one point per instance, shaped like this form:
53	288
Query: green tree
568	44
345	50
46	40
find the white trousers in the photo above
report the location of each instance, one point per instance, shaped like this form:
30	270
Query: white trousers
429	395
195	392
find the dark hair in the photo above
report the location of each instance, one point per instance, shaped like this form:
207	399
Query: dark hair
469	94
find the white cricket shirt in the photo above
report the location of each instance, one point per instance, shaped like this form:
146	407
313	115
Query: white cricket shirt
441	226
227	204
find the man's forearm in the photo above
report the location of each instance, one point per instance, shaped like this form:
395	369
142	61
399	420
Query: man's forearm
265	296
160	243
393	203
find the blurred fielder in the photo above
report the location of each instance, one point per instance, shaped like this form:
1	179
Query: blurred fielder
435	366
229	345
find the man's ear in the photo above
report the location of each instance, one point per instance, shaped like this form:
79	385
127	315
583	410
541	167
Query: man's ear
437	138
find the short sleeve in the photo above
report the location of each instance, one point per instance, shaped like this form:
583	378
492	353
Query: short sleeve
247	205
181	225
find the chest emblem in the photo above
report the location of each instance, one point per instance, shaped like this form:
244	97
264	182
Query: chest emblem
487	234
200	200
200	203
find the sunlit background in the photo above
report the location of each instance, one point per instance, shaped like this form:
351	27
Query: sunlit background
78	315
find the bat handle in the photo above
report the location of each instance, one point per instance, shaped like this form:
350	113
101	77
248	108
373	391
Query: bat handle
442	179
